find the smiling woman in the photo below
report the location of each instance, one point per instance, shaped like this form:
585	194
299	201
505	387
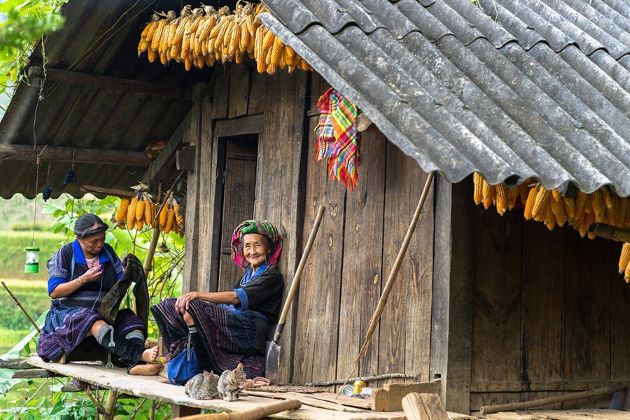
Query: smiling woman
231	327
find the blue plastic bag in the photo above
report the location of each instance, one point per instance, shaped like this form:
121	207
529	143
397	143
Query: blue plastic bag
183	366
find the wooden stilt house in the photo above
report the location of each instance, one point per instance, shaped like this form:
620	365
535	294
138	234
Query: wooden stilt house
498	308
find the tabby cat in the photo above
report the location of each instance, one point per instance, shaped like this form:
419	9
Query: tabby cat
230	383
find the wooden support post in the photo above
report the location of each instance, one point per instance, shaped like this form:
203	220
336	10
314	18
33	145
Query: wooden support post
451	312
70	154
114	83
110	405
183	411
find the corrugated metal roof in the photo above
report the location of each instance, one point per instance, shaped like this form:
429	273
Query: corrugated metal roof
510	88
99	37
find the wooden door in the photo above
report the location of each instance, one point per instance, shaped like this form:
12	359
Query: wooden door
239	193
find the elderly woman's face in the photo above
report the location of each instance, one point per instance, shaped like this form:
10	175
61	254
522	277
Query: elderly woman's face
255	249
92	244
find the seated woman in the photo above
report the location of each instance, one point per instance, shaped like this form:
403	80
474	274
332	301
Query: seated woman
231	327
80	275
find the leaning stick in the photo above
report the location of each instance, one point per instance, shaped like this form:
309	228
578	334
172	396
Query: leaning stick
21	307
252	413
488	409
363	378
376	317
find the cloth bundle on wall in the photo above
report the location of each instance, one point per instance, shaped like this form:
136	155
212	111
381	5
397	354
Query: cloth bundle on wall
337	137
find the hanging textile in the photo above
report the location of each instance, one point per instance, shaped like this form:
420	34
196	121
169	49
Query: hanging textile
337	137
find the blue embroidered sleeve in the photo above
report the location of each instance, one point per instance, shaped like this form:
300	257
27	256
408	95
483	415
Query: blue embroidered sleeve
243	299
57	271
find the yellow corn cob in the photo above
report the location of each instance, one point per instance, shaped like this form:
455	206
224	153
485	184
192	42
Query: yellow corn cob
243	44
478	184
131	213
149	29
523	192
148	205
121	214
258	43
187	63
235	38
249	25
289	56
143	45
170	218
268	40
500	199
626	275
624	257
608	197
151	55
163	216
529	203
597	203
569	206
157	35
580	203
555	194
487	193
557	208
140	208
512	196
612	213
179	217
139	224
542	197
209	60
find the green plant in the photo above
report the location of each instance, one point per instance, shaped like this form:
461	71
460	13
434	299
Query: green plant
24	23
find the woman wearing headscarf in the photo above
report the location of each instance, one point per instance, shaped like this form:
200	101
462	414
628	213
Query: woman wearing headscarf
80	275
231	327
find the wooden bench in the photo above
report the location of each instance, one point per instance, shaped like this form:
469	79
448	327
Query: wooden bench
153	387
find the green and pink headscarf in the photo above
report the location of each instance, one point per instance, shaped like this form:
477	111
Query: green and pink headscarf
263	227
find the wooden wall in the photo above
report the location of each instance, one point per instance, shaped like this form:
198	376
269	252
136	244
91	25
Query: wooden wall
357	243
356	246
551	313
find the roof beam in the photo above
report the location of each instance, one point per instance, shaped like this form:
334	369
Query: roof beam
76	155
110	82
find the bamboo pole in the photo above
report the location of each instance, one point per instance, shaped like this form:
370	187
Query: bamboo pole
610	232
110	405
19	304
252	413
391	279
488	409
363	378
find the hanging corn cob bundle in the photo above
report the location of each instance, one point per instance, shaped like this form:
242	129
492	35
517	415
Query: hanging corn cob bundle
552	209
135	212
171	217
202	36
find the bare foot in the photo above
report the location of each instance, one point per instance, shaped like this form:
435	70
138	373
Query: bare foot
145	370
149	355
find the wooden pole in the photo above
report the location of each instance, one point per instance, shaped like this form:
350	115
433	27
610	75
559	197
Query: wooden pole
610	232
363	378
376	317
250	414
148	262
488	409
21	307
110	405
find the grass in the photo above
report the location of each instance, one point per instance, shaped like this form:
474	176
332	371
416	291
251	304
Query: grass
33	294
9	338
12	257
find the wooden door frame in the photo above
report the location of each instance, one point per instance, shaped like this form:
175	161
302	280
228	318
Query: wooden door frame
230	127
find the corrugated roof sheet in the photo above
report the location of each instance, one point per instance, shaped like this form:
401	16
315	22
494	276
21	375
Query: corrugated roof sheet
99	37
510	88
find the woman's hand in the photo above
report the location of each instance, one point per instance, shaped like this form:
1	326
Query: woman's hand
182	303
93	274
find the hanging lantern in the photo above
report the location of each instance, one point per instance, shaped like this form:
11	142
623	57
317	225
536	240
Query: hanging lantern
32	260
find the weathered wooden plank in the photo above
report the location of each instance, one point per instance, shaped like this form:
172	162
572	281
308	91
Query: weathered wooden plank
389	398
278	187
409	306
590	269
191	256
256	103
451	311
252	124
318	310
112	83
154	388
220	93
547	386
79	155
497	297
34	373
544	279
362	256
620	322
239	89
207	220
239	182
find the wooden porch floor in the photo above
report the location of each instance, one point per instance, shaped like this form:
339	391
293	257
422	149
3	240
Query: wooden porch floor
154	388
581	414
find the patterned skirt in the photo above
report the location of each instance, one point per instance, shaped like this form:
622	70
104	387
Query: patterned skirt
226	338
66	327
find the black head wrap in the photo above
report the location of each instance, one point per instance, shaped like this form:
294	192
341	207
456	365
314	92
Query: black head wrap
89	224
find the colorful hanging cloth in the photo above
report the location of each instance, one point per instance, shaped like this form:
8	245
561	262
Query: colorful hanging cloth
337	137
